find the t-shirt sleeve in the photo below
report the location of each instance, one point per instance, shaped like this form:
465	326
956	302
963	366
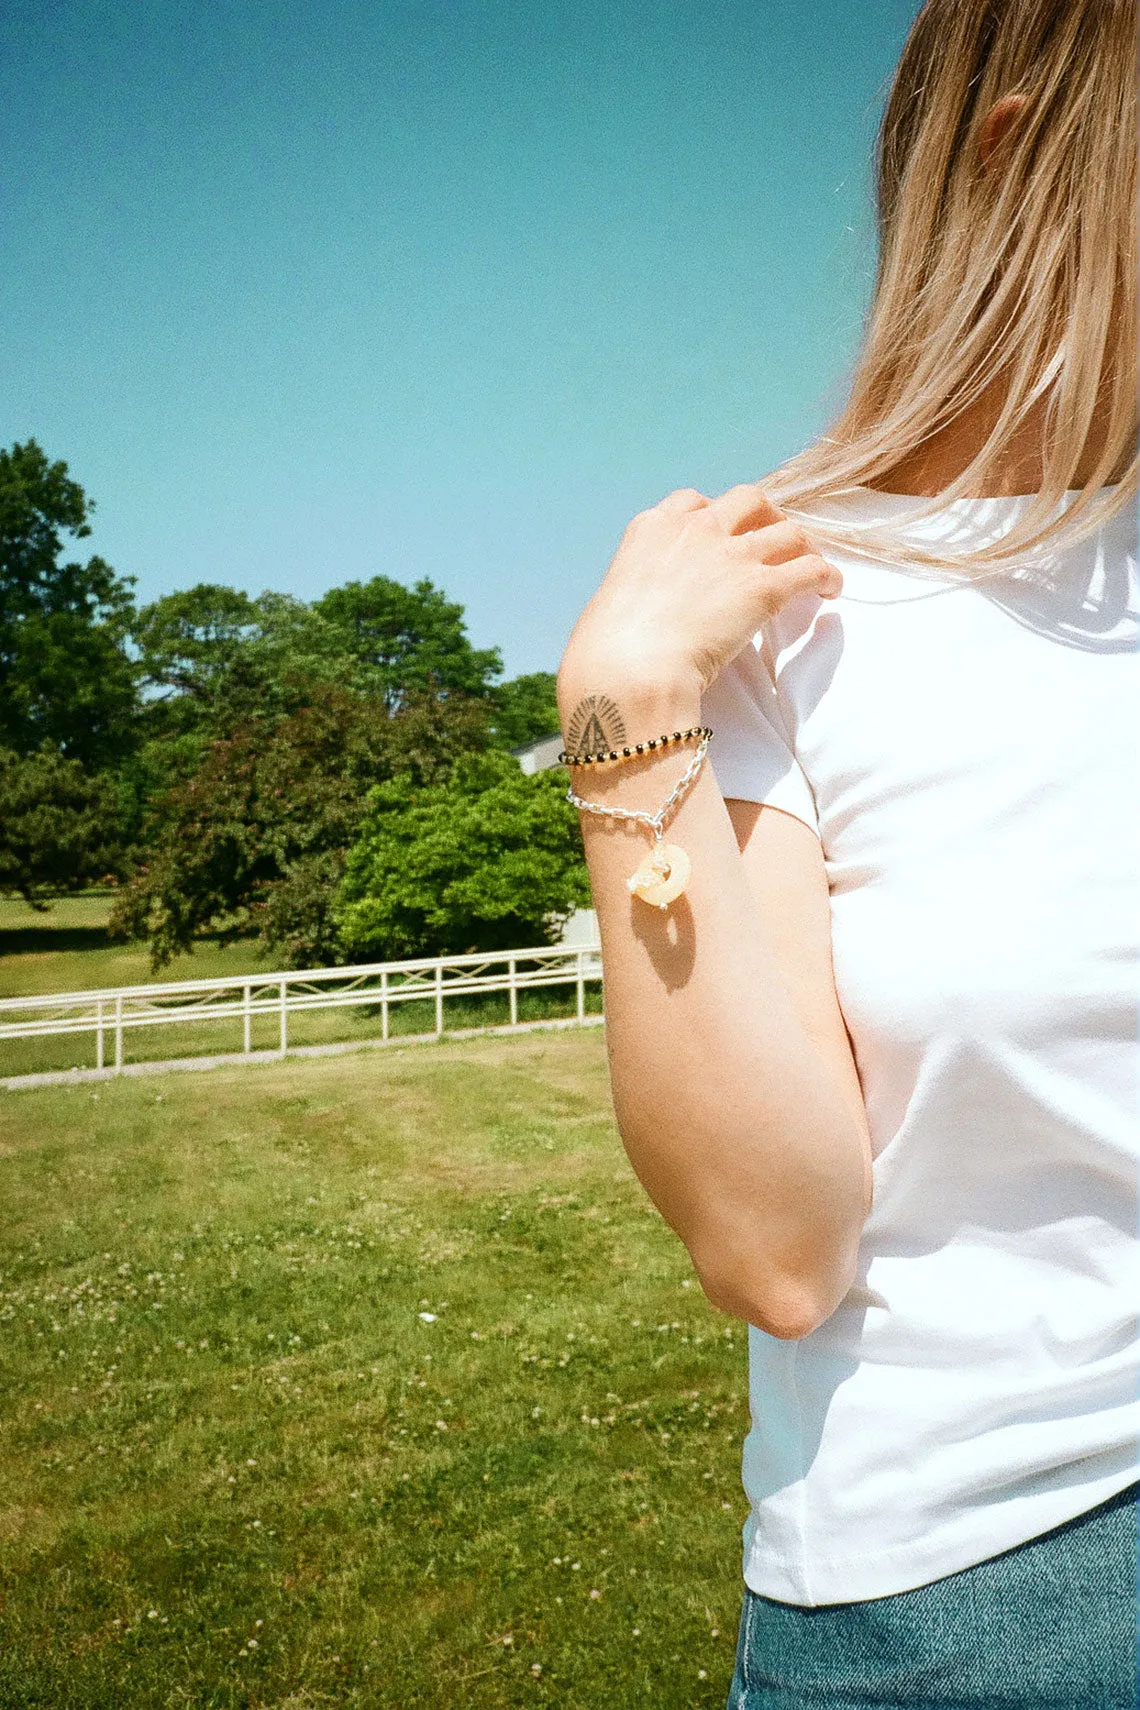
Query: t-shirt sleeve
751	752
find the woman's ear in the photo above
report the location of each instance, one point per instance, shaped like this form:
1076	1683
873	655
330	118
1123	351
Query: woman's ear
999	121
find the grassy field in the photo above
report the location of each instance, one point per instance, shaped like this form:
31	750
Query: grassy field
67	949
366	1381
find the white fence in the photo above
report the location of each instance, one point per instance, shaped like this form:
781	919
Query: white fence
110	1014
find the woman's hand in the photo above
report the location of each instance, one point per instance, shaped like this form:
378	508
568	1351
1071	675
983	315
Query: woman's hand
690	584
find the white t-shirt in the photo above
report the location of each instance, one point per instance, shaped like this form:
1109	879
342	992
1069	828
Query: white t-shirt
970	758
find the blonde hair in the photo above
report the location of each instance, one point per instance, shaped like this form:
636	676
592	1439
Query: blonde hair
1021	279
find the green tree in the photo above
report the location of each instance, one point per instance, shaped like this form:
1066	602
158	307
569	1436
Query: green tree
404	641
255	840
59	826
190	645
65	676
525	709
213	658
488	860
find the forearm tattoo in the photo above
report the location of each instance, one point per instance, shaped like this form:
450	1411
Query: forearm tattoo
595	724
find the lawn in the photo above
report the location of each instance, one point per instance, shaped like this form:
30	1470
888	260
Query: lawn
67	949
371	1380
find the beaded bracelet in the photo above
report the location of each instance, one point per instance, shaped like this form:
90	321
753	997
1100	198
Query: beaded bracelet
700	731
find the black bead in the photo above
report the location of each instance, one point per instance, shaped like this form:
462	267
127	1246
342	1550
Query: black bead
625	751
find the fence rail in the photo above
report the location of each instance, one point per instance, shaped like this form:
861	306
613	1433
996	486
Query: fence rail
111	1013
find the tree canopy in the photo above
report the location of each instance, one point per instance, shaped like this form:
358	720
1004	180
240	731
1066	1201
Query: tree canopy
58	825
487	859
65	674
255	839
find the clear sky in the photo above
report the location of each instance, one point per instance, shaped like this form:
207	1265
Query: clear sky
311	291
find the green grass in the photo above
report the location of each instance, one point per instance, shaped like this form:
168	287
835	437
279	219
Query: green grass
67	949
225	1420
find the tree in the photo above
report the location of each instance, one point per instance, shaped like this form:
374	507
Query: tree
215	658
256	838
406	640
488	860
65	677
190	643
525	708
58	825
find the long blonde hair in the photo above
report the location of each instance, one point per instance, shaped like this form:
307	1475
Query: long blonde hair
1021	278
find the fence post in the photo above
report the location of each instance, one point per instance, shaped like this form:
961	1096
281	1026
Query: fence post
99	1033
581	986
384	1005
512	977
438	999
118	1033
246	1018
284	1016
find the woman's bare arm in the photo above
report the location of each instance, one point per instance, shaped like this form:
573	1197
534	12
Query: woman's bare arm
733	1085
783	859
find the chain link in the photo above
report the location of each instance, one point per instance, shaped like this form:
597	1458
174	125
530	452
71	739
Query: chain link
655	821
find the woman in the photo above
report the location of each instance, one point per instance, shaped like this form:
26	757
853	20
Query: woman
872	1005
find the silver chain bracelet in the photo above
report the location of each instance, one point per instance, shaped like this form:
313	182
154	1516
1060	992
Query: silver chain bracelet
665	872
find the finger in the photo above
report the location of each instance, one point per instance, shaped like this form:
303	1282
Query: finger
684	499
776	543
745	507
808	574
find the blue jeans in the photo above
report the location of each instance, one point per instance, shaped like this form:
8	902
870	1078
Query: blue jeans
1050	1625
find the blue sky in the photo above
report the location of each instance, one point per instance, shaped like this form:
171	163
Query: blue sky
311	292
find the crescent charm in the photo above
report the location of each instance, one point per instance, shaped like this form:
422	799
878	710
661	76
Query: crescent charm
662	876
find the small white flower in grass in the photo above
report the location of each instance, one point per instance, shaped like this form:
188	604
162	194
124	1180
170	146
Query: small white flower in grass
252	1643
251	1463
428	1317
637	1632
152	1614
536	1669
594	1596
702	1674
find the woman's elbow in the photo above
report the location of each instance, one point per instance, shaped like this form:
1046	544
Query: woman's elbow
787	1308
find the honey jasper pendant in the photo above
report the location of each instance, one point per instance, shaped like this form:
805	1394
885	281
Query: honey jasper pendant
662	876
